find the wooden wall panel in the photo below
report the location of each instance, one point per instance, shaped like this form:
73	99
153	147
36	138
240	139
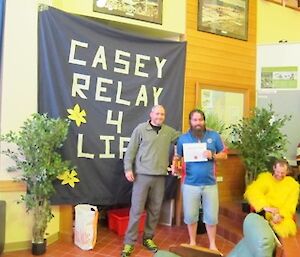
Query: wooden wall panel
66	232
12	186
233	173
219	61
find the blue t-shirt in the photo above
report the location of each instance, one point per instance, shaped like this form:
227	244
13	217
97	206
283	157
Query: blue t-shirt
201	173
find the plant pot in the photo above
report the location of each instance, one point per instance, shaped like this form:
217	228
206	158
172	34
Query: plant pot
39	248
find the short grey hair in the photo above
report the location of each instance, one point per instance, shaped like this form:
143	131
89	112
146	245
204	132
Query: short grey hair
157	106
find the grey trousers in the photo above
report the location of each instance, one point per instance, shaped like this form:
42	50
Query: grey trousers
147	194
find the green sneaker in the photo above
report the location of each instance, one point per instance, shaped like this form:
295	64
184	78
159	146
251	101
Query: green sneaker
150	245
127	250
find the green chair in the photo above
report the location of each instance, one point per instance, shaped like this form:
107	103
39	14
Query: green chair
258	241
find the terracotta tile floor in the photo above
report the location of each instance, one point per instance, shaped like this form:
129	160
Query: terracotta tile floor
291	245
109	244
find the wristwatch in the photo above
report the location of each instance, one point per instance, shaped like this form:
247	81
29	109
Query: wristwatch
213	156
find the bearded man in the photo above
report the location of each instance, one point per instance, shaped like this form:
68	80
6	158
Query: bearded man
200	186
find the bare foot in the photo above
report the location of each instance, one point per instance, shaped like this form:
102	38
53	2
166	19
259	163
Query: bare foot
192	243
214	248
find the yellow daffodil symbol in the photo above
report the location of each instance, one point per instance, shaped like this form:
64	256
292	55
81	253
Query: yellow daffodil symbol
69	177
77	115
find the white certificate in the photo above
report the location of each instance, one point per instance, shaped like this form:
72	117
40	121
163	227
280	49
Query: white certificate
193	152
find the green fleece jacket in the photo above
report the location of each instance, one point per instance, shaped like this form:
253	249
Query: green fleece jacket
148	151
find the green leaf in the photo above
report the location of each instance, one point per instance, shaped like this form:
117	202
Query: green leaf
38	142
259	139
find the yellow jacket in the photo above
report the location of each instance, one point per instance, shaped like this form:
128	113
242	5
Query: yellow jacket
266	191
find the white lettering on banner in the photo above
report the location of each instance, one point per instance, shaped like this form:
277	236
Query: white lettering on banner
107	154
139	64
77	88
117	122
100	88
123	149
118	96
74	44
126	64
81	82
100	58
159	65
108	141
142	96
156	94
109	90
81	154
122	60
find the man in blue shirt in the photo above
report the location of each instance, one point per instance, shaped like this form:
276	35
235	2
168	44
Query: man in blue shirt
200	185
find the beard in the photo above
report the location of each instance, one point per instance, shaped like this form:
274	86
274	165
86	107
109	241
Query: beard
198	131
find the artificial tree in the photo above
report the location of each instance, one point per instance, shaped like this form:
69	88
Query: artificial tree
37	158
259	139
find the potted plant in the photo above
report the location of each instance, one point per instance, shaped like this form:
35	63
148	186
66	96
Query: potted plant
36	156
259	140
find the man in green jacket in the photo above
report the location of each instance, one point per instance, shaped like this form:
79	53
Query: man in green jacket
145	164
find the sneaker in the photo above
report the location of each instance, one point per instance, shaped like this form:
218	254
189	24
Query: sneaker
127	250
150	245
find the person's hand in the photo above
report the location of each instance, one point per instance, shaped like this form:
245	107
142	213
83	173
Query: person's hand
276	218
208	154
129	175
176	171
171	169
272	210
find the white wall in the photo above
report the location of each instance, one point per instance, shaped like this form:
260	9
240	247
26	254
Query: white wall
19	74
281	54
18	102
283	101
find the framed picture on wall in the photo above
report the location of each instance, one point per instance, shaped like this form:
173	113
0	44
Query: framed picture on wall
145	10
224	17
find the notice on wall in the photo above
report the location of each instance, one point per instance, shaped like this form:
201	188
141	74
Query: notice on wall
279	77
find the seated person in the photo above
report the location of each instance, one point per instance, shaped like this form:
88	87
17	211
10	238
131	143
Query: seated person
276	195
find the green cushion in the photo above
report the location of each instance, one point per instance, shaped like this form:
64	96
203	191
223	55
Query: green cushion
241	250
258	238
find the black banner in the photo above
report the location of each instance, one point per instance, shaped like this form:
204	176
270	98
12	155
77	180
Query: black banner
106	82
